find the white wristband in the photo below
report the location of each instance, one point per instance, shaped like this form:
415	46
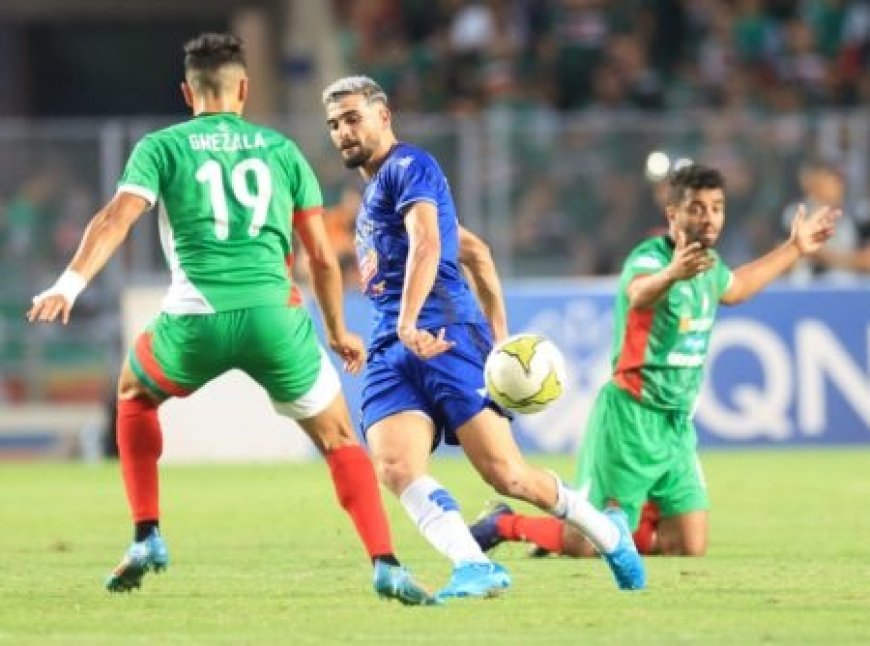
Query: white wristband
69	285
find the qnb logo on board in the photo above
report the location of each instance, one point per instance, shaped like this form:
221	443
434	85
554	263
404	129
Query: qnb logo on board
799	388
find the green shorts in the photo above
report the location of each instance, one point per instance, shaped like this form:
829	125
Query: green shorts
632	453
275	345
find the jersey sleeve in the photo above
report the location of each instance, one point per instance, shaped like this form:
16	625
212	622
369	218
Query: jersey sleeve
305	189
724	276
415	179
142	173
643	261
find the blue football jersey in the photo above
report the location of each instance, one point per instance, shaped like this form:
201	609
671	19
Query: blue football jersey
409	175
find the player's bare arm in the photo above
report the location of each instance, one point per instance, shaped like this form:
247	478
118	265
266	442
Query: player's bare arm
808	234
424	252
102	237
689	260
474	254
326	281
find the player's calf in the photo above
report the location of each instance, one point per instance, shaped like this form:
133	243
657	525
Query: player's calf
498	524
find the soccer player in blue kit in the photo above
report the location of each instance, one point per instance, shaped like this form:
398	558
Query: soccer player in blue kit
424	378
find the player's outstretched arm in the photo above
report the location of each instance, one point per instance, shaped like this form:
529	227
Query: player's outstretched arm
688	261
424	253
808	234
475	255
103	235
326	281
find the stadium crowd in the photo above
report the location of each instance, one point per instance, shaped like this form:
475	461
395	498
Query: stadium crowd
582	81
459	56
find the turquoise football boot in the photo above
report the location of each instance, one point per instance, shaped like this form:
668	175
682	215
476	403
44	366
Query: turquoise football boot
395	582
142	556
624	561
476	580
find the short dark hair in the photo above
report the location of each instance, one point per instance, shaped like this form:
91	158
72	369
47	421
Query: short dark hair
206	54
692	178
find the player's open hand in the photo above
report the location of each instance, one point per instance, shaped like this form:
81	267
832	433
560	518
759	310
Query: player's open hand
352	351
810	232
423	343
690	258
47	306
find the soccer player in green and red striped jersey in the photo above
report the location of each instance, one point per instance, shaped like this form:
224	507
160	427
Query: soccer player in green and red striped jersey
640	443
232	192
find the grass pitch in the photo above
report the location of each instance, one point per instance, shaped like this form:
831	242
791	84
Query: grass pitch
262	554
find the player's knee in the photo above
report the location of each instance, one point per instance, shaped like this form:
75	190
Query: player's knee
336	439
329	429
694	547
394	473
129	387
334	433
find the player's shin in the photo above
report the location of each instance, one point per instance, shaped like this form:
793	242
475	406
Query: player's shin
436	514
576	510
357	490
140	444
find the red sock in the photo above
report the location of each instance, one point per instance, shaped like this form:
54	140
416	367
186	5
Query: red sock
543	531
357	490
140	444
645	534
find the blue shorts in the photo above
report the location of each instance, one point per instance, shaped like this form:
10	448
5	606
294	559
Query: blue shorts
449	388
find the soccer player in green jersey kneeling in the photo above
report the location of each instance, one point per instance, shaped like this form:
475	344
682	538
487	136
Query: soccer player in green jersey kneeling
640	443
233	192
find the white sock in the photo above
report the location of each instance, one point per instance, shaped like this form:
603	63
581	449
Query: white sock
573	507
436	514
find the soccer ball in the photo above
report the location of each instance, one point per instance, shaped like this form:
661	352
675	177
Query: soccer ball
525	373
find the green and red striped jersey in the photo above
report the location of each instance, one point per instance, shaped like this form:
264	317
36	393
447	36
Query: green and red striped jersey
659	352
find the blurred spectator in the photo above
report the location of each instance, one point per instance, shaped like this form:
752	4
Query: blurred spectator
542	231
822	183
623	225
31	213
856	260
579	33
72	216
752	31
799	65
340	221
341	224
642	83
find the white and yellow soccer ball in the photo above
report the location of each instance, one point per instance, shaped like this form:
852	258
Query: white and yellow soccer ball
525	373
